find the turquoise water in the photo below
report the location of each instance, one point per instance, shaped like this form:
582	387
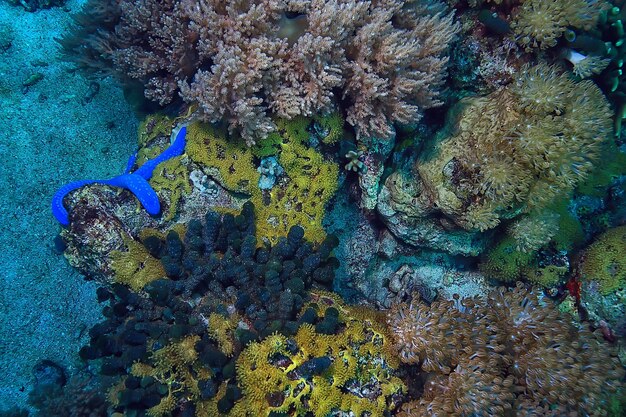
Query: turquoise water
49	138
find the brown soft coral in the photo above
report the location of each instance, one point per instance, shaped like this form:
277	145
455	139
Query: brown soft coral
241	60
509	351
513	151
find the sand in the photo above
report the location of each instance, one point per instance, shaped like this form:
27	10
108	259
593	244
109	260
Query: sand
50	136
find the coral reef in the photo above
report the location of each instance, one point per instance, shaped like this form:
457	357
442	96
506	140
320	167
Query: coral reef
299	195
174	343
160	359
344	363
511	352
221	292
245	61
513	151
604	261
213	172
218	304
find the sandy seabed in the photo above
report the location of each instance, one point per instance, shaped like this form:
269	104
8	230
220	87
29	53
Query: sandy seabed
50	136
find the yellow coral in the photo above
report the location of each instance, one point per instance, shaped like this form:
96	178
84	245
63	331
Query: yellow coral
135	267
176	366
360	352
300	200
141	369
172	177
222	329
229	160
115	390
153	126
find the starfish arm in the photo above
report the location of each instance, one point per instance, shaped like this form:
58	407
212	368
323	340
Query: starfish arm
130	163
58	209
136	182
175	149
141	188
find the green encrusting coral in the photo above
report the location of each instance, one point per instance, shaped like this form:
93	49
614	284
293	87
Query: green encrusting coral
507	263
153	126
298	198
331	127
604	261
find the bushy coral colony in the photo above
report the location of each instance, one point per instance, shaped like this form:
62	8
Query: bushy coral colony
464	157
241	60
510	352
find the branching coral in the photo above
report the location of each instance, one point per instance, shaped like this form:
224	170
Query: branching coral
506	352
241	61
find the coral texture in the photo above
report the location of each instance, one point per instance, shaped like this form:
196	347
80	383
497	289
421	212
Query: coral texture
242	60
511	353
540	23
513	151
168	343
321	371
604	261
299	196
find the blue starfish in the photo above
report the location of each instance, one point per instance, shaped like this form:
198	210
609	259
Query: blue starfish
136	182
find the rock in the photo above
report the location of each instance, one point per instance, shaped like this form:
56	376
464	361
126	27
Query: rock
269	170
407	211
608	308
378	150
48	376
